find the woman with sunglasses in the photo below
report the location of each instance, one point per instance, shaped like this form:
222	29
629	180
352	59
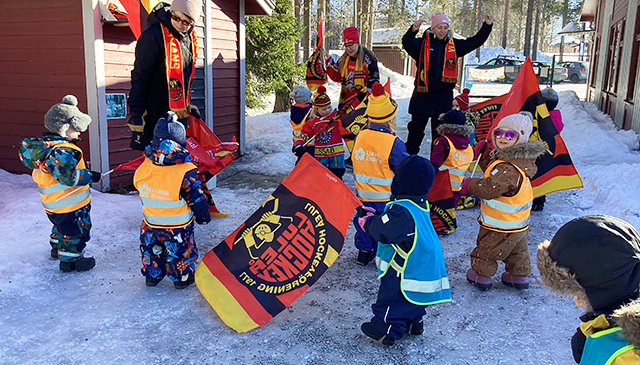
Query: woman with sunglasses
153	90
506	195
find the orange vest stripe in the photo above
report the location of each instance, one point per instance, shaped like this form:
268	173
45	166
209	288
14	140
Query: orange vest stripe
159	187
297	128
456	158
51	190
508	213
373	175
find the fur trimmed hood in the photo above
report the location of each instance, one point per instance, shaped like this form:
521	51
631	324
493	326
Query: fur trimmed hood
523	155
628	318
464	130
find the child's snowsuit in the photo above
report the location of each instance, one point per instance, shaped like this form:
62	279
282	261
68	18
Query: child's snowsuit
596	259
328	146
506	195
171	196
409	258
63	179
376	153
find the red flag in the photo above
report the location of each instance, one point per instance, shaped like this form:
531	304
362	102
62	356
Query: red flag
281	250
442	207
387	86
213	154
555	168
136	16
316	73
130	165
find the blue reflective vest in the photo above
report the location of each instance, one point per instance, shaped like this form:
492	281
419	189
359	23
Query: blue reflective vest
603	347
424	279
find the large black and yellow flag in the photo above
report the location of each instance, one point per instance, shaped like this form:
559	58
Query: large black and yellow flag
442	206
281	250
555	168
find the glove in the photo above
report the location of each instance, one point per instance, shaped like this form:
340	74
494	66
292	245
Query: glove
136	124
96	176
136	141
465	187
364	210
363	220
298	150
193	110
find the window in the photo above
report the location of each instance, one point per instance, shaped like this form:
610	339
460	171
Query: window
631	86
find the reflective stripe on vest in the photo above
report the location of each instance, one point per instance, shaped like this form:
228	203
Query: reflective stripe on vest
159	188
371	168
52	191
457	157
603	347
424	278
509	213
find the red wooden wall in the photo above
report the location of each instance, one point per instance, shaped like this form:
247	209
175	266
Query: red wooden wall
41	61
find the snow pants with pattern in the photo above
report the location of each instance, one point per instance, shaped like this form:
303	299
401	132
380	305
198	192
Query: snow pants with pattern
70	233
168	252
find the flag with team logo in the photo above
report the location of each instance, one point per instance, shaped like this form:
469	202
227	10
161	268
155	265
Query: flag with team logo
555	168
280	250
442	206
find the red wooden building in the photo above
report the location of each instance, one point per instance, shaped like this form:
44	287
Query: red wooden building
613	84
51	48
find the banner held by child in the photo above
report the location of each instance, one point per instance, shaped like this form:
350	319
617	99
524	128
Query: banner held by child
281	250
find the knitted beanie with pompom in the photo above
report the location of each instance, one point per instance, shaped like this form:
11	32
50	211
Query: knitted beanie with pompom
381	108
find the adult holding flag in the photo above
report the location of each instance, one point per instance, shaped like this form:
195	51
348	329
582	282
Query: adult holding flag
436	54
357	68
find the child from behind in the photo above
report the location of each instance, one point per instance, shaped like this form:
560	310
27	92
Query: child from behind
452	151
506	194
300	111
171	197
409	257
596	260
62	176
325	132
376	153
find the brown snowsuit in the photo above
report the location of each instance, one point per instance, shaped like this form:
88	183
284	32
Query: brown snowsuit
505	180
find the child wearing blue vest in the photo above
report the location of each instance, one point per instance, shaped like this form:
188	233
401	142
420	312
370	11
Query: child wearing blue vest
596	260
171	198
63	179
409	257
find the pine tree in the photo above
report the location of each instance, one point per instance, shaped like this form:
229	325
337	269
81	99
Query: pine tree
270	64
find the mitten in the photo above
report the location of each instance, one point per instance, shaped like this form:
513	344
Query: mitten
363	220
298	150
136	141
96	176
364	210
465	187
194	111
481	148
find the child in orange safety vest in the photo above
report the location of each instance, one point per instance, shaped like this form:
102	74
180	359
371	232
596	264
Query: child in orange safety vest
506	197
301	110
171	199
63	179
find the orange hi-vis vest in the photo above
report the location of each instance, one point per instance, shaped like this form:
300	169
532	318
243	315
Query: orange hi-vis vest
159	188
371	165
297	128
507	213
456	158
59	198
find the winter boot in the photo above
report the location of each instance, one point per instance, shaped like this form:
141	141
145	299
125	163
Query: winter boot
84	264
367	329
364	257
183	284
416	328
152	281
481	282
518	282
54	253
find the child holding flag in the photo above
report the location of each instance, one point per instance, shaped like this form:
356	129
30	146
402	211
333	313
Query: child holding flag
171	196
325	132
506	194
409	257
62	176
376	153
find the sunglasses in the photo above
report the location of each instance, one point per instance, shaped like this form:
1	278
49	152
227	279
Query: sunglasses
508	135
186	23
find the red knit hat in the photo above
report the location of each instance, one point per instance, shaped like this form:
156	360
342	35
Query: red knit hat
320	98
463	99
350	36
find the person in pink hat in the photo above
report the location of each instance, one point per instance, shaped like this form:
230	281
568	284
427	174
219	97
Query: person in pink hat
436	54
357	68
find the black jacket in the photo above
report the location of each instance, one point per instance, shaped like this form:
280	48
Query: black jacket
438	99
149	90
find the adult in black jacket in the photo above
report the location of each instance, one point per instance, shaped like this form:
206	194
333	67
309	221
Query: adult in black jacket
433	93
149	95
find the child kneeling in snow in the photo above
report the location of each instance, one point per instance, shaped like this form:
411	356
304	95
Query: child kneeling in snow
506	194
596	259
171	196
62	176
326	134
409	257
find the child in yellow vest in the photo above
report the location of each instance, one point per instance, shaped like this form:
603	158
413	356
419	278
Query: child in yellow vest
62	176
171	199
506	194
451	151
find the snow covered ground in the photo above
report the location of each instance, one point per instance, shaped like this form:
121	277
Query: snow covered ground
109	316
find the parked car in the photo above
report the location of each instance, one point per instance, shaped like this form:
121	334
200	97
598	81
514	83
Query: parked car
577	70
543	70
501	68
